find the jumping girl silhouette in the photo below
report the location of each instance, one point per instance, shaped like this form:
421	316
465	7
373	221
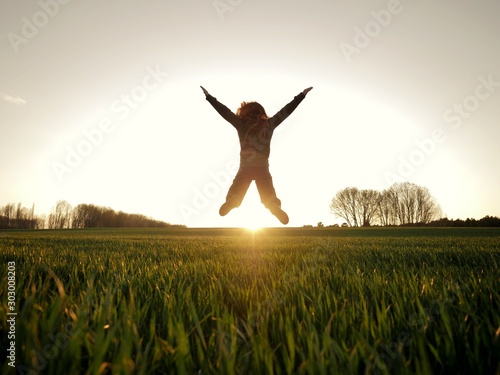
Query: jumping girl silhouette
255	130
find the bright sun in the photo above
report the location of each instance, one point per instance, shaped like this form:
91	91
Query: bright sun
252	214
253	228
251	218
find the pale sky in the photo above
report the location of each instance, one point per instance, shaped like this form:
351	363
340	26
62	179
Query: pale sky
100	103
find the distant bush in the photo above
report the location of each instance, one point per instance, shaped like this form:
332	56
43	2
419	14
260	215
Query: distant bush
487	221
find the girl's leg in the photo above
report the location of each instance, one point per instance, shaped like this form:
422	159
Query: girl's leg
268	197
265	186
236	192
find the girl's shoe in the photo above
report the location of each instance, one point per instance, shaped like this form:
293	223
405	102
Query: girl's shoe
279	213
226	207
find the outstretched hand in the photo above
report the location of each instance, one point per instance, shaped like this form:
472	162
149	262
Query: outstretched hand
307	90
204	91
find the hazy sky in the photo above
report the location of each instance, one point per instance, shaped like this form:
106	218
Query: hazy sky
100	103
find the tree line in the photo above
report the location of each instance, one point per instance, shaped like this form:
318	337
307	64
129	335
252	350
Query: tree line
14	216
487	221
402	204
64	216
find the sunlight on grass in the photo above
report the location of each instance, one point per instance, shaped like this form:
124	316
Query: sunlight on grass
283	301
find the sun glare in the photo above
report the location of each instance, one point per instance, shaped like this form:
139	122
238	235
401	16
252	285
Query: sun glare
253	228
251	214
252	218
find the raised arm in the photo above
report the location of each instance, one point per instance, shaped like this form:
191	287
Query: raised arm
225	112
287	110
306	90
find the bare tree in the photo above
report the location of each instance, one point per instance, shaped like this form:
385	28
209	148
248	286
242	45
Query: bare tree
40	222
8	215
401	204
357	207
427	207
386	208
367	206
60	217
86	216
344	205
405	192
409	203
108	217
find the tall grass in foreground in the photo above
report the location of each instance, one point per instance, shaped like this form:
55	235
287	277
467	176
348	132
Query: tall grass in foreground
150	302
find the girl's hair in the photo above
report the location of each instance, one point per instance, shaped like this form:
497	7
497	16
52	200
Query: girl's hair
254	115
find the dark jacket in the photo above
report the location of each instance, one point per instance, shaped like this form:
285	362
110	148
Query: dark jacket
255	145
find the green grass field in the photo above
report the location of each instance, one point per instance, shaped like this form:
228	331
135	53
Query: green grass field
278	301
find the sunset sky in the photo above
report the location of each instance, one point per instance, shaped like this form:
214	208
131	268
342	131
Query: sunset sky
100	102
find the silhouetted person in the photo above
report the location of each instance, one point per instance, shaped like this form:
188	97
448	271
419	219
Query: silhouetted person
255	130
